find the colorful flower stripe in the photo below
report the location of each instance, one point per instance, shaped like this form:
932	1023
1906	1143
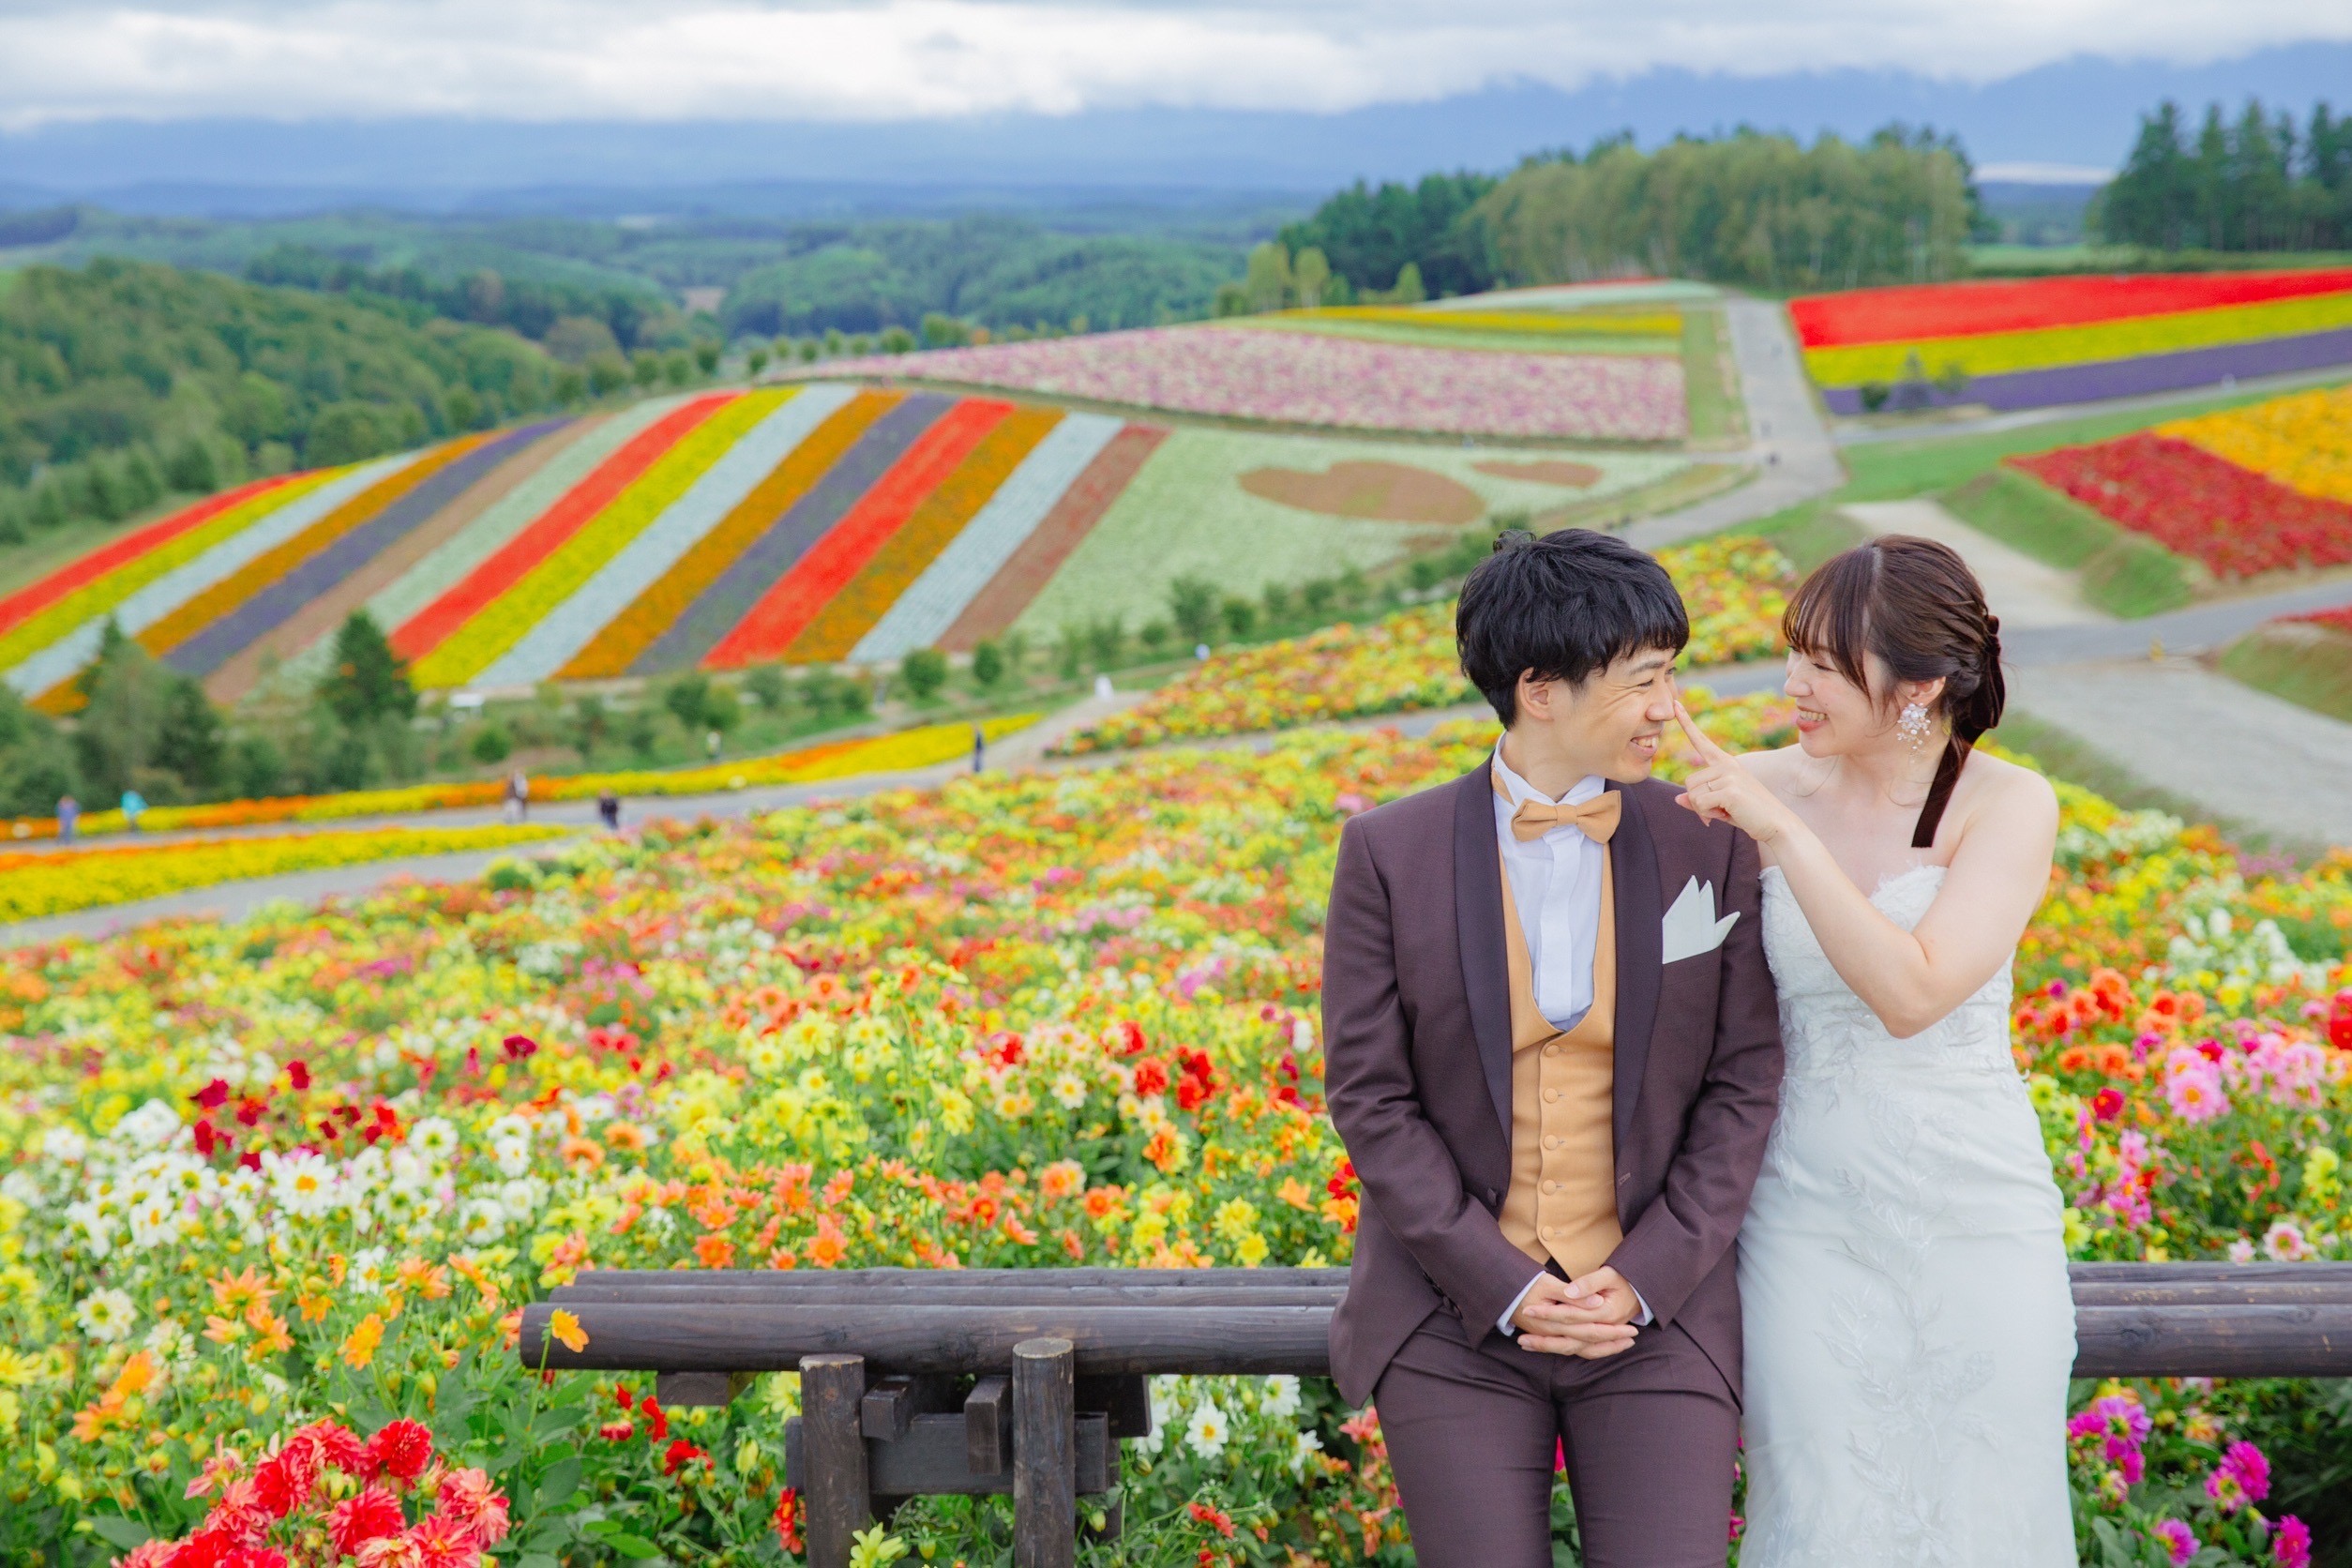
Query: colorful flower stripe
201	610
2237	522
31	885
1034	561
571	627
1933	311
1306	378
662	609
566	568
2003	354
295	653
2131	378
2304	442
40	596
422	633
1656	323
935	524
774	550
927	611
142	593
295	589
772	625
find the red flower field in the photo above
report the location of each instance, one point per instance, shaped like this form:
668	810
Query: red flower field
2235	521
1918	312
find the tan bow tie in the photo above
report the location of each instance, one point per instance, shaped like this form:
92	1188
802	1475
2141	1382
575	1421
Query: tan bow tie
1597	817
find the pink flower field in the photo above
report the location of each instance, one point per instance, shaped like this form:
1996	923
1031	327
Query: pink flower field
1302	377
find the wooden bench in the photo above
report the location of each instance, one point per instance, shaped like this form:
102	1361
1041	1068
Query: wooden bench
917	1381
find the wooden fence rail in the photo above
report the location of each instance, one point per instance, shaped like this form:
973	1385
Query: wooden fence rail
1025	1381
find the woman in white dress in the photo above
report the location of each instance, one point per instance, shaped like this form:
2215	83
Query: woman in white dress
1903	1266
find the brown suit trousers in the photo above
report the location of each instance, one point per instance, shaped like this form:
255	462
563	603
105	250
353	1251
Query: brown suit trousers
1417	1041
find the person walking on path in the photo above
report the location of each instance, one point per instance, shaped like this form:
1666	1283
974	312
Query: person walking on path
979	749
133	804
68	818
609	810
517	796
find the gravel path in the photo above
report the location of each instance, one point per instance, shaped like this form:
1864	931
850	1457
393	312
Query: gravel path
1799	459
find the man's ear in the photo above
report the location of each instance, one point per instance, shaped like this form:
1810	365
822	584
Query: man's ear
1536	696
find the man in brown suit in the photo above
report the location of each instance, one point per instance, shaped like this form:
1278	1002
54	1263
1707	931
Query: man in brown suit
1553	1049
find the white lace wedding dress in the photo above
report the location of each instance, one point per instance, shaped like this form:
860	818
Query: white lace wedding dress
1903	1279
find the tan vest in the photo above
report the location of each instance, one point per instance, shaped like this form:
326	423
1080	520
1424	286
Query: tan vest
1563	1202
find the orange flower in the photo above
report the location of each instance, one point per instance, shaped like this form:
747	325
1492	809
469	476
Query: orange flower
716	1252
314	1304
414	1273
564	1327
1294	1193
830	1246
360	1346
627	1137
232	1291
579	1151
137	1376
269	1329
1060	1179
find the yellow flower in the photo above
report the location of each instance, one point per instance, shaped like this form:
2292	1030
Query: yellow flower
565	1328
360	1346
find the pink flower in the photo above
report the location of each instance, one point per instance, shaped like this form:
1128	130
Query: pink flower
2291	1546
2193	1088
468	1497
371	1515
2243	1476
2178	1538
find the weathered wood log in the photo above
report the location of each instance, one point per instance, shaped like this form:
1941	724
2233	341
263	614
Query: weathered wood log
891	1404
2202	1269
1045	1456
988	1426
2213	1292
930	1458
840	1502
2238	1341
1128	1400
765	1337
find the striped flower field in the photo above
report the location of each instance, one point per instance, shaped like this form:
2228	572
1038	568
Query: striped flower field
810	523
2044	342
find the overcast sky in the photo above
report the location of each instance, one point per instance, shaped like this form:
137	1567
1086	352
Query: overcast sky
545	60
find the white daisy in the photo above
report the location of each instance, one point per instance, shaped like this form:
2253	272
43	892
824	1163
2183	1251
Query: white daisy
1208	1430
106	1314
1306	1447
1069	1090
1282	1396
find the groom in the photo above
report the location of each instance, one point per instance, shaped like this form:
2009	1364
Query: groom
1553	1050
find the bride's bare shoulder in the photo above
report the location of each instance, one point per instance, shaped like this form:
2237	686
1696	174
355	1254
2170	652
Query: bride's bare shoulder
1775	768
2006	792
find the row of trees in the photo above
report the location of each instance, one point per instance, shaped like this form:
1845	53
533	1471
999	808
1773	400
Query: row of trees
631	319
1367	237
2256	183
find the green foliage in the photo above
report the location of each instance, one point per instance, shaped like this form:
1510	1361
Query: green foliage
2134	577
2122	573
2310	666
925	670
988	664
2251	184
1192	603
1744	208
690	697
1241	616
491	744
766	685
369	681
121	378
1366	237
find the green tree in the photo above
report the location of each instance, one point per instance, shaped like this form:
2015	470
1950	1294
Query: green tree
755	361
128	694
190	740
368	681
1310	274
1192	604
689	697
707	356
925	670
1241	616
988	664
766	685
489	743
1269	282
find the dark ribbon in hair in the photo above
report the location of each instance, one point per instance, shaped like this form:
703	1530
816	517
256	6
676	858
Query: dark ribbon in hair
1963	739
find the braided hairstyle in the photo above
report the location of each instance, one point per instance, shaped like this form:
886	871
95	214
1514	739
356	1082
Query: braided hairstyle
1914	604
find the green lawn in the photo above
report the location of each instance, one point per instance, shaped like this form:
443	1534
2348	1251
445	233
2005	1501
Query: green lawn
2310	666
2124	573
1710	384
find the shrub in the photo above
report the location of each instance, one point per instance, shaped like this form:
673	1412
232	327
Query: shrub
925	670
489	743
988	664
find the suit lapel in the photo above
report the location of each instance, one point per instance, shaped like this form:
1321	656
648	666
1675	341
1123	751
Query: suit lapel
1640	948
1478	927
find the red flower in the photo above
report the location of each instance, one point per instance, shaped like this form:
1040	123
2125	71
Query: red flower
337	1445
368	1516
1216	1518
401	1450
2340	1020
442	1542
517	1047
787	1519
1151	1076
2107	1103
299	1073
207	1137
467	1497
282	1482
656	1419
207	1549
1006	1046
1127	1037
679	1454
621	1397
213	1096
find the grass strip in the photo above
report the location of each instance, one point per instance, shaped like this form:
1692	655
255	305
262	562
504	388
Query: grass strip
2308	665
2124	573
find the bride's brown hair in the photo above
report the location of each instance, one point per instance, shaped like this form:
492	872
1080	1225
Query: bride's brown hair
1915	604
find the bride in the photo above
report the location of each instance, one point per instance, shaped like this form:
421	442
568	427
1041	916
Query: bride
1903	1266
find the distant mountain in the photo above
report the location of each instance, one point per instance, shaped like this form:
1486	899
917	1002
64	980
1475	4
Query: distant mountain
2078	112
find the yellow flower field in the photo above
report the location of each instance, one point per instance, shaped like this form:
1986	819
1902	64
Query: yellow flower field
2303	441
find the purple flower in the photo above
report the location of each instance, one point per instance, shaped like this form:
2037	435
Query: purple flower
2178	1538
2122	1420
2291	1546
2243	1476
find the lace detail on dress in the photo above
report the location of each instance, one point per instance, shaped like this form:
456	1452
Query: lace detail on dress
1876	1377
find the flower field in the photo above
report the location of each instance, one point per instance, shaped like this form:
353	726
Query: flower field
2033	344
1519	331
926	746
810	523
2263	487
1308	378
1241	509
1735	588
56	880
273	1192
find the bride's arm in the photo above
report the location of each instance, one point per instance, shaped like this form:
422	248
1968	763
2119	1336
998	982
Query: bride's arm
1912	979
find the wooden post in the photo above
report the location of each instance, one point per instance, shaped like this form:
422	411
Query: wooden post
1045	1454
832	1389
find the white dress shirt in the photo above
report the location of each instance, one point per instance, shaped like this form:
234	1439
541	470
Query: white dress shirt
1555	884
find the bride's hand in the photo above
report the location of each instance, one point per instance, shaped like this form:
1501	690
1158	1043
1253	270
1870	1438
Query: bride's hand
1721	789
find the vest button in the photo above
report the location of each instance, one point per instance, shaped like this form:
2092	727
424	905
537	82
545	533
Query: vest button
1551	1050
1551	1094
1551	1187
1552	1144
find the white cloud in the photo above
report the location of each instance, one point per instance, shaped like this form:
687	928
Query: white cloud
896	59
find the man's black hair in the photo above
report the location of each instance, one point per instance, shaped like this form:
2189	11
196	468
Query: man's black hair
1565	606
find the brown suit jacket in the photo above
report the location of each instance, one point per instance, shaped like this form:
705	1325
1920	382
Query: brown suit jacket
1417	1067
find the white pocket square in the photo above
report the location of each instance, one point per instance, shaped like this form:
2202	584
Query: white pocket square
1690	925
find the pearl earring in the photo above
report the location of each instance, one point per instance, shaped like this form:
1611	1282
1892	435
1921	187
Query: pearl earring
1912	725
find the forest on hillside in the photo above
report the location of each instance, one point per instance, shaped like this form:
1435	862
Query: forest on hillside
2258	182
